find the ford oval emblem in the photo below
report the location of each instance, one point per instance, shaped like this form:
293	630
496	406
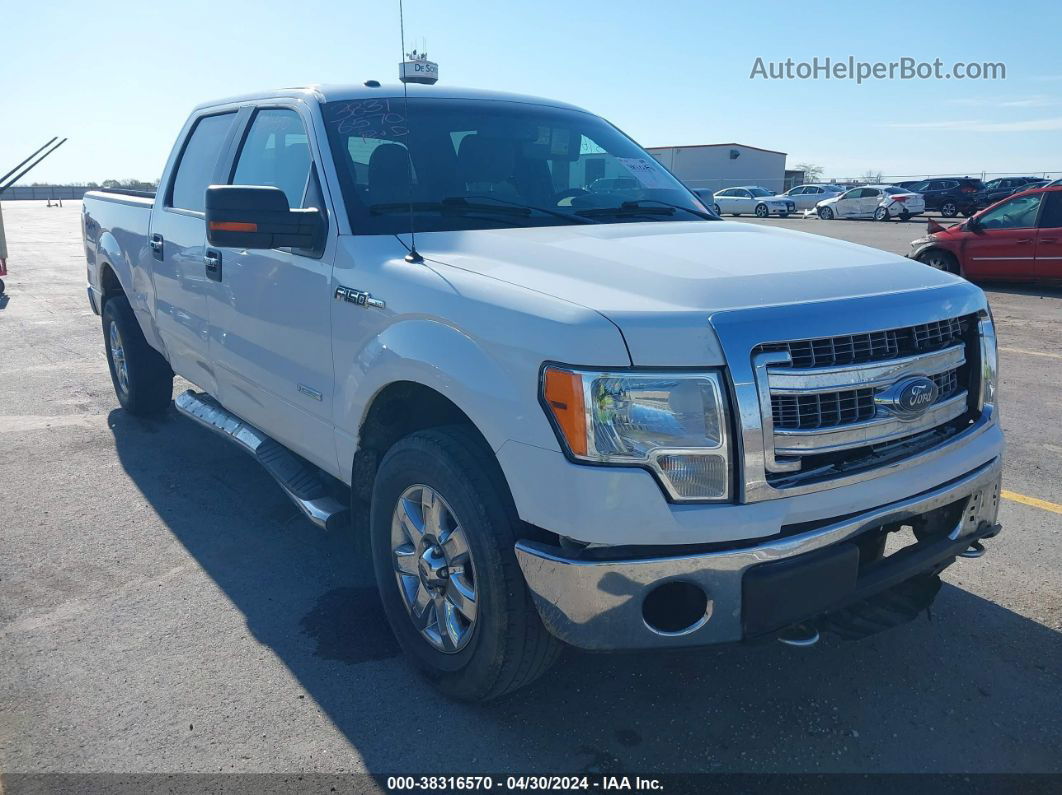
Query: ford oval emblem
910	398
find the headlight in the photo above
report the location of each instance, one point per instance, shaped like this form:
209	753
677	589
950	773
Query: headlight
674	424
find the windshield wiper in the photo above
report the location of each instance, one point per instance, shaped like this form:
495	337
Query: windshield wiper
447	206
555	213
634	207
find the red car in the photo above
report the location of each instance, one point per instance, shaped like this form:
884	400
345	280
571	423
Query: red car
1019	238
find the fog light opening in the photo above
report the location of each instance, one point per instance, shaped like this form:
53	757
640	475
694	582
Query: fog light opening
676	608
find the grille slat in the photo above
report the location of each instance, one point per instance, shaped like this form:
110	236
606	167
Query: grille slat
833	409
871	347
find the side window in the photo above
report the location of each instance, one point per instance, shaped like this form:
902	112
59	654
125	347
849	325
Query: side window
1051	218
744	194
1017	213
276	152
195	170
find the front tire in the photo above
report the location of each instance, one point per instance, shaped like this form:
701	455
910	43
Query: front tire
442	529
825	213
142	379
762	211
941	260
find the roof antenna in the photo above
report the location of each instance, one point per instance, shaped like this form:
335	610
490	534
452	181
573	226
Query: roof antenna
413	255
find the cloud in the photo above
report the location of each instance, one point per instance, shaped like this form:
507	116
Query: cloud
1033	101
975	125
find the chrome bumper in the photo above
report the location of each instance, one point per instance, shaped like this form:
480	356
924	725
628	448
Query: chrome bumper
596	604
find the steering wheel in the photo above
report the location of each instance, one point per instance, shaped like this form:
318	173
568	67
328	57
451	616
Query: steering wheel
569	193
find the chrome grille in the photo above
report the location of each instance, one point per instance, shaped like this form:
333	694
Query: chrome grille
831	409
871	347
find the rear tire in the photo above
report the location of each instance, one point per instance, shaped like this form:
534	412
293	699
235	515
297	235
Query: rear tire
507	645
716	210
949	209
881	214
142	379
1	286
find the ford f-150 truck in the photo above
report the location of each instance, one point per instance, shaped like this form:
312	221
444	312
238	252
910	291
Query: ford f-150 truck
603	418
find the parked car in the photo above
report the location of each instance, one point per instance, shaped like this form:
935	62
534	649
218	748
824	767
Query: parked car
1053	183
949	196
880	202
908	184
673	432
1019	238
707	198
996	189
804	197
751	200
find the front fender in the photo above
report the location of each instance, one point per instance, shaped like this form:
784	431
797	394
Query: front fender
502	401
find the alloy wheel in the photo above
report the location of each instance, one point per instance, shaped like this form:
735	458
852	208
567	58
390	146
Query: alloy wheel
121	368
434	569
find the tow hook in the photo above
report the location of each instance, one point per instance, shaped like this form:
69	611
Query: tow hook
977	549
801	635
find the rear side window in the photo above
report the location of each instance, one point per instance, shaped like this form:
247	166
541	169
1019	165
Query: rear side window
198	161
276	152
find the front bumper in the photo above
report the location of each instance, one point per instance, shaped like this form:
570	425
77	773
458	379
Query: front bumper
598	604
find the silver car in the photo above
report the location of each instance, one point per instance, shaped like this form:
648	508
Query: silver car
807	196
751	200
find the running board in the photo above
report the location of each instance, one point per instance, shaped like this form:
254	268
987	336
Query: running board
297	478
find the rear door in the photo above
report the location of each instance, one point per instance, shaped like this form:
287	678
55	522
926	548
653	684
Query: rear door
869	200
270	310
1049	237
178	241
1004	245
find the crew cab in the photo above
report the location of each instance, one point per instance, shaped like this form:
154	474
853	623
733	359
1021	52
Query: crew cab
599	417
1017	239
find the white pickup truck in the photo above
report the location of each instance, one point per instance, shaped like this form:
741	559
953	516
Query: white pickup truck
601	418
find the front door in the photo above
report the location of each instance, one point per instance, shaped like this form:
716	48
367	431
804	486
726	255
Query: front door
270	310
1003	246
177	239
1049	237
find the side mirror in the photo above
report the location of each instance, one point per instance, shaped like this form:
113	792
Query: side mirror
258	216
973	224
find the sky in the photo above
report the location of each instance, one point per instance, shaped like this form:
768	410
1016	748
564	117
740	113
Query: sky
119	78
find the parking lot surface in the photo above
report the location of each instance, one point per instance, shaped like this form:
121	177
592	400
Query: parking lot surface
163	607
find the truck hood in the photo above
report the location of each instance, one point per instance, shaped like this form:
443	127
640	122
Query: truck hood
660	281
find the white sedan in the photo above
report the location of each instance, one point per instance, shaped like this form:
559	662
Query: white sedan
880	202
807	196
752	200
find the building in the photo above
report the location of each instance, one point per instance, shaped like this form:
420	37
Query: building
715	166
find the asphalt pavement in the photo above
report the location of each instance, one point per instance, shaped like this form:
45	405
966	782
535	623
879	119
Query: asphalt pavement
164	608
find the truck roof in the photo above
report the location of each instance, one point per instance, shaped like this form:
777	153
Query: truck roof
332	92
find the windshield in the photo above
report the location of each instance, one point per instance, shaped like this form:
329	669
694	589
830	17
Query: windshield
490	164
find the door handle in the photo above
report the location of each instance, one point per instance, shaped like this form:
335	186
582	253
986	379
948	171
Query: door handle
1023	241
1048	240
156	246
212	261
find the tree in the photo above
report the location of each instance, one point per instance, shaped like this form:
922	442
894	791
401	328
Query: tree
872	177
812	173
